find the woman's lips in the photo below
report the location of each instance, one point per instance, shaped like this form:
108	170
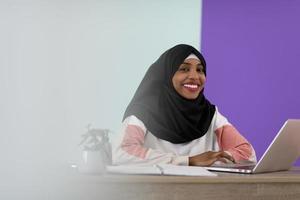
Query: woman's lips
191	87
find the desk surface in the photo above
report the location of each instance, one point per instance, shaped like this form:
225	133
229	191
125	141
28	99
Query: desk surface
291	176
276	185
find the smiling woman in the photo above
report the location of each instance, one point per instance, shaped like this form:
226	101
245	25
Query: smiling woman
169	120
190	78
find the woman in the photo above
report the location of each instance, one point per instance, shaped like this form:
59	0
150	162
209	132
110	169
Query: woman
169	120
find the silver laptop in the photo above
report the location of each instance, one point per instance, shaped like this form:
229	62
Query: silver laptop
283	151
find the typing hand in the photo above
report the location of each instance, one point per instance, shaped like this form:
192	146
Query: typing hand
210	157
224	161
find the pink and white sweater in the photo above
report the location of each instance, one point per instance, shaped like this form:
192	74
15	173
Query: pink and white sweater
136	145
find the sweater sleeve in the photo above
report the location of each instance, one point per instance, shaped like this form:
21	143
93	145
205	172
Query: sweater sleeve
230	140
130	148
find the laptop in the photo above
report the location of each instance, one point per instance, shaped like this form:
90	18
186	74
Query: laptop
283	151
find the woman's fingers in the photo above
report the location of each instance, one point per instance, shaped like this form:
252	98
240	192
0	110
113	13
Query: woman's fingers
223	160
226	155
208	158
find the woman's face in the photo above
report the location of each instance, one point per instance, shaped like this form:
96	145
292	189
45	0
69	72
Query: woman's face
189	79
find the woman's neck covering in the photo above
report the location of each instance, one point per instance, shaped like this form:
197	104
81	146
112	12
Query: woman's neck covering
165	113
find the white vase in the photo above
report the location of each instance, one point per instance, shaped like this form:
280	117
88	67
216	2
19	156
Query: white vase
92	162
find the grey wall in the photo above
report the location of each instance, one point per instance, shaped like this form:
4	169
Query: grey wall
65	64
252	50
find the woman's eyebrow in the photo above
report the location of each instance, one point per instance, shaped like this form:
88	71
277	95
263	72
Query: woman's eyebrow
191	64
185	63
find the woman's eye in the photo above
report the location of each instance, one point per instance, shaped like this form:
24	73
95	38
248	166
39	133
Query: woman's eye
184	69
200	70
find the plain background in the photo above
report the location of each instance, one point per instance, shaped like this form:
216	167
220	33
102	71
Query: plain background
252	50
66	64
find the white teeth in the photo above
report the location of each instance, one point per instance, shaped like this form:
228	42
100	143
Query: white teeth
190	86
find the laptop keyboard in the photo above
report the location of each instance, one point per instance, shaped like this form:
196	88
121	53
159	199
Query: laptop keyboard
235	165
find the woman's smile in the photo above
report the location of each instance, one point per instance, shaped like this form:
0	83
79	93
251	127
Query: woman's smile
191	87
189	80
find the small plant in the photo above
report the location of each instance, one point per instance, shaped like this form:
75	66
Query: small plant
95	139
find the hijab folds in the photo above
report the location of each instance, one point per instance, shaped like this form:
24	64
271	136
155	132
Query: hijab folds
165	113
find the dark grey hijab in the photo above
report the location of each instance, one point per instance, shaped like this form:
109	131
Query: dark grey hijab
165	113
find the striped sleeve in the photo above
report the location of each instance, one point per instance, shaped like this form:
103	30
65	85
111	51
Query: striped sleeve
230	140
130	148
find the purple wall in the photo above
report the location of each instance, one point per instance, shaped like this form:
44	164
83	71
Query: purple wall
252	50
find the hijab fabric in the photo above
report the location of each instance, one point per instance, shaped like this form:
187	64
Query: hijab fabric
164	112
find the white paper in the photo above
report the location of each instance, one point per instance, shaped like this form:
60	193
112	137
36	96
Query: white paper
185	170
132	169
161	169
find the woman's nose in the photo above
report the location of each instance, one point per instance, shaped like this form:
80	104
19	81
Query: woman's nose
193	74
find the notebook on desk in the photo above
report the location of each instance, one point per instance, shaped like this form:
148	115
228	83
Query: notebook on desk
160	169
283	151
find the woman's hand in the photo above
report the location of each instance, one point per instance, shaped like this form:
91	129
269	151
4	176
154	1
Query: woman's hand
209	157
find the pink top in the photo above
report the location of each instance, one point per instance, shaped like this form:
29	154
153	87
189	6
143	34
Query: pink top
136	145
